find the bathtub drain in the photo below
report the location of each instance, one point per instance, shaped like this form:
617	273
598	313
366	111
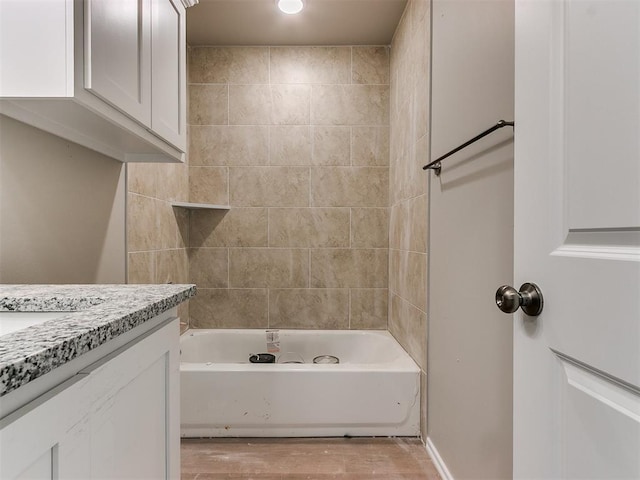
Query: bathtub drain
262	358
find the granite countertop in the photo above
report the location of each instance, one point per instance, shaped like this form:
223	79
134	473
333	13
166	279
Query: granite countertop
93	315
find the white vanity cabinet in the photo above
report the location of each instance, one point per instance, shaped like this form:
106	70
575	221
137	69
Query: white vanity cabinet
109	75
49	437
134	415
116	418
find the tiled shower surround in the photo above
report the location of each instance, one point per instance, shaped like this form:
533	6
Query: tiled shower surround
296	141
318	151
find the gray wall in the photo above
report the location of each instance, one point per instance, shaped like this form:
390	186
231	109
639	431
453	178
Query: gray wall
62	210
471	239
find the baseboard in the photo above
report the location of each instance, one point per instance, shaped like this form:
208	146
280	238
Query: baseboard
437	461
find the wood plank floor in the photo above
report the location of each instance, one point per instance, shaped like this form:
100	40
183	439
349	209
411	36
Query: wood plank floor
306	458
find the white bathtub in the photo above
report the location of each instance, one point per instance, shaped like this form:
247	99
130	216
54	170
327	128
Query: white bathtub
373	391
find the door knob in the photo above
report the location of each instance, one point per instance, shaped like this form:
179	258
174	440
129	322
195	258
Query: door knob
508	299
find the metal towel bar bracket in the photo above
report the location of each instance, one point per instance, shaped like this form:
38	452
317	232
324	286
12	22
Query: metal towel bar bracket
436	166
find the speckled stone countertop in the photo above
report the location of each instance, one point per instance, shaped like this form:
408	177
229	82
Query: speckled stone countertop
97	314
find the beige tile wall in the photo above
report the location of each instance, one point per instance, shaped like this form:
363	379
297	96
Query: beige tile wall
296	140
157	233
408	190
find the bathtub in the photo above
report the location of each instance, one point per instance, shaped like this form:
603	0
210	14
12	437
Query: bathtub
373	391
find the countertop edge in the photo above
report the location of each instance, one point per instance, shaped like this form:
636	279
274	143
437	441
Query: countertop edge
112	310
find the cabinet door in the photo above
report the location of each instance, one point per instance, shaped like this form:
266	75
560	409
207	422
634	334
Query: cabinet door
49	437
135	425
168	67
117	53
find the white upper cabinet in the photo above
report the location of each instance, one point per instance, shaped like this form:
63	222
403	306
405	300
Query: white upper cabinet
108	75
118	55
168	71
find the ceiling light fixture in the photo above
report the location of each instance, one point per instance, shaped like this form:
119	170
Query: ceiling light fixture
290	7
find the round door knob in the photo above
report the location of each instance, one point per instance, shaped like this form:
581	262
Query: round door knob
508	299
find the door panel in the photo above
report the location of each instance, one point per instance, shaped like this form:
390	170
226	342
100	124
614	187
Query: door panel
577	235
602	136
614	411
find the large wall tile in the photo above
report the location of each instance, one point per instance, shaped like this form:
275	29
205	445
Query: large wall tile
209	267
394	270
331	145
172	266
309	308
291	104
141	178
369	227
309	227
182	217
350	105
422	88
268	267
229	145
368	308
238	227
250	105
167	225
229	65
269	186
141	220
370	146
409	326
172	181
397	225
408	225
370	65
331	268
290	145
310	64
208	104
209	185
264	105
351	187
141	267
229	308
408	277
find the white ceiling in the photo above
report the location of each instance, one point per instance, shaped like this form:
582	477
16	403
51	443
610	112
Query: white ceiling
322	22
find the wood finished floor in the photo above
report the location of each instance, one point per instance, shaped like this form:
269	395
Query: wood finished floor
306	458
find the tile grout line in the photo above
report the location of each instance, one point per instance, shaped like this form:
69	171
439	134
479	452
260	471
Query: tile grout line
269	247
309	260
349	310
351	63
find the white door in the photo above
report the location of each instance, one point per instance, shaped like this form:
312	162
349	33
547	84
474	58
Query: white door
577	236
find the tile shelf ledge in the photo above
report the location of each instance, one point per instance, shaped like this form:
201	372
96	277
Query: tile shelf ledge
200	206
